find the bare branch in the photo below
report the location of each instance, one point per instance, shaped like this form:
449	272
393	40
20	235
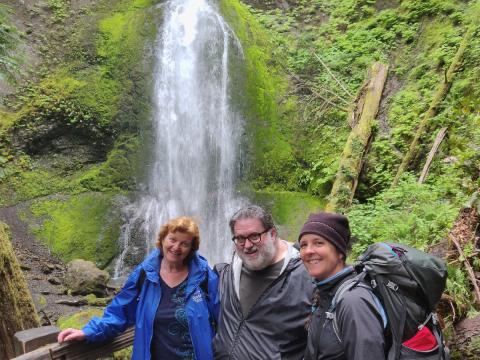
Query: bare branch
333	76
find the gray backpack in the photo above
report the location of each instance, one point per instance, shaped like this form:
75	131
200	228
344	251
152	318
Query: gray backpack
408	284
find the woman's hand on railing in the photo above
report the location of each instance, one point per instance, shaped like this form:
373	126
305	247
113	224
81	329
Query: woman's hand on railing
70	334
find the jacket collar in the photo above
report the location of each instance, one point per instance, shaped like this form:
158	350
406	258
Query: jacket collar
291	253
197	267
330	284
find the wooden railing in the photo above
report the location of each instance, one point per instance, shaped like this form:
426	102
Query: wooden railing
40	344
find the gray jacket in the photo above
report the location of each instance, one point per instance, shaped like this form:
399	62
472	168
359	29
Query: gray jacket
274	327
359	324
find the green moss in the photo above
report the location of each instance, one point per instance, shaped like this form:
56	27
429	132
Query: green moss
18	310
81	226
117	172
289	209
98	94
78	320
92	300
268	121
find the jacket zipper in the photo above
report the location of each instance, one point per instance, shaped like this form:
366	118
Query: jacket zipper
242	321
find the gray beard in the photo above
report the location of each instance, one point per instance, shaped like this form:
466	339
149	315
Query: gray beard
265	256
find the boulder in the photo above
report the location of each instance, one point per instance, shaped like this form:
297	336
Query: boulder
83	277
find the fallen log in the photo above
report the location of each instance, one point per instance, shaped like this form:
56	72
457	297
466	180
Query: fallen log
361	116
440	94
431	154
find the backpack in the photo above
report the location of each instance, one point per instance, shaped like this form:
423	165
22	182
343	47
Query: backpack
408	284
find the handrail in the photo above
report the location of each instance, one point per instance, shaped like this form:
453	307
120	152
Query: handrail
80	350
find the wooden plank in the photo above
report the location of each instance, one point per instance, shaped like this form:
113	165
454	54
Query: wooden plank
80	350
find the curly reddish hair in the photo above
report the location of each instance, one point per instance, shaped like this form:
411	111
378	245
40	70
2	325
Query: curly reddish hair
182	224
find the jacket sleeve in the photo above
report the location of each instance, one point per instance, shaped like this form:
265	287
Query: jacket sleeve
118	315
360	325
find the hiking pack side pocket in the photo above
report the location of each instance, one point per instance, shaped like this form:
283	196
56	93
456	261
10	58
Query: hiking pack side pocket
410	354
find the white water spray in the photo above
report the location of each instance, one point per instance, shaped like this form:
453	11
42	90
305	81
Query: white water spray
196	135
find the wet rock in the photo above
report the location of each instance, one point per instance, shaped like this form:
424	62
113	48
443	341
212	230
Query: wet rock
83	278
47	268
25	267
80	302
54	281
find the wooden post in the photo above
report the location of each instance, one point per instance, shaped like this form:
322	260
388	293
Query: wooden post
31	339
361	116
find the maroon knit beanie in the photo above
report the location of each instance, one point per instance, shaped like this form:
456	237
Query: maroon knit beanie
333	227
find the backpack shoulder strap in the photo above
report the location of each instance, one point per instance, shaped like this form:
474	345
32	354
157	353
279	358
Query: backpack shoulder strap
348	285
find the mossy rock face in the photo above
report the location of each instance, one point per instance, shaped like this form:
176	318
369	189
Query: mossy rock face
262	88
83	226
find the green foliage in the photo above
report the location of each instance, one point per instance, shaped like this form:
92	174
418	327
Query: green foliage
61	100
9	39
59	8
412	214
81	226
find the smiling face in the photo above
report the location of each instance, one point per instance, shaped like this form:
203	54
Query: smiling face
176	247
320	256
255	256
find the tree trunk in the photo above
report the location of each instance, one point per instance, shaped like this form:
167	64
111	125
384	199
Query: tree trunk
464	345
361	117
440	94
16	305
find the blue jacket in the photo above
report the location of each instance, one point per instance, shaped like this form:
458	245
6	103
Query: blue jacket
130	308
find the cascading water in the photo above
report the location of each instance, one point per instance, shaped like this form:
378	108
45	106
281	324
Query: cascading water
196	135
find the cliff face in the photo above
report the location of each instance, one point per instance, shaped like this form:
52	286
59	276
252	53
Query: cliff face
70	127
16	305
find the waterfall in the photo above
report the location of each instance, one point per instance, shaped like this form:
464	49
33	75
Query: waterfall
196	135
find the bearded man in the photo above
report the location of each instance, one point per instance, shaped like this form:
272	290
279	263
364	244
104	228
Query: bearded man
265	293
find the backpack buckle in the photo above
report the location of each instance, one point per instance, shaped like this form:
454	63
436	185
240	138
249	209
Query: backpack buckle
373	283
392	285
329	315
434	318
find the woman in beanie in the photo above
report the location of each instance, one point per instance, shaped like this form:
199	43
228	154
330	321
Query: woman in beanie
354	329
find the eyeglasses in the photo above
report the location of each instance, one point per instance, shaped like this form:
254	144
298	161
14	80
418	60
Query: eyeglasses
254	238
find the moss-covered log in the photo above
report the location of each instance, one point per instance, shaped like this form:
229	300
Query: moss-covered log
440	94
16	305
361	116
